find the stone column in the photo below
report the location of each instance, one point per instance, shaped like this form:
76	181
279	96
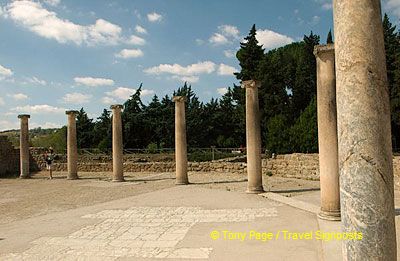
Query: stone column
72	146
365	149
327	132
24	146
117	146
253	138
180	141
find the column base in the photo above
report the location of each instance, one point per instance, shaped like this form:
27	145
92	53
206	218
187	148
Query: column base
329	215
72	177
182	183
118	180
255	190
24	176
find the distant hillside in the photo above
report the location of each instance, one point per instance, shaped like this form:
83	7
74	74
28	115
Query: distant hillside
39	137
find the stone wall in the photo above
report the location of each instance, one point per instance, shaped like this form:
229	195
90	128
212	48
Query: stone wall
9	158
296	165
291	165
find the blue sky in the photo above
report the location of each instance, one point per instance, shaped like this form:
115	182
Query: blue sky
57	54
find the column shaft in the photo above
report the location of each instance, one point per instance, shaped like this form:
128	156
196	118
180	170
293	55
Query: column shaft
327	133
117	146
72	146
365	151
180	141
24	147
253	138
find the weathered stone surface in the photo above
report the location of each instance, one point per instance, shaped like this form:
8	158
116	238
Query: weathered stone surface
327	132
9	158
24	146
365	156
117	146
253	137
137	233
180	141
72	145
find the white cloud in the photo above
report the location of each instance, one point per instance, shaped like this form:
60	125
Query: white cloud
218	39
104	32
188	79
393	6
5	71
146	92
139	29
35	80
199	42
177	69
122	93
93	82
315	20
46	125
8	125
38	109
224	69
154	17
230	53
136	40
19	96
108	100
76	98
270	39
36	18
229	30
222	91
327	6
129	53
226	35
52	2
2	102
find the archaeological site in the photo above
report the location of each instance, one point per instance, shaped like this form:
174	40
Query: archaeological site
167	130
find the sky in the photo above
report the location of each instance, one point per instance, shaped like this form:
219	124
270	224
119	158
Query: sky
57	55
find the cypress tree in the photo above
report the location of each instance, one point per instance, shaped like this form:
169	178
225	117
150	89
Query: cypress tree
329	39
249	55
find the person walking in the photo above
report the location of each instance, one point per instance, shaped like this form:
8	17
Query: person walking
49	158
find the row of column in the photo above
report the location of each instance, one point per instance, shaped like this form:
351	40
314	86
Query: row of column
117	144
72	145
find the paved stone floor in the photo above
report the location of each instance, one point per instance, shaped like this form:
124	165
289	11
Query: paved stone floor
148	232
174	223
149	218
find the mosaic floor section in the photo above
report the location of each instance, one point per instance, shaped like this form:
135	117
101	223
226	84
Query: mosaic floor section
141	232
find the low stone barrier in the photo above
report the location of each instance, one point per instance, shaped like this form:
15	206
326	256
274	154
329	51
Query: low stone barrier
296	165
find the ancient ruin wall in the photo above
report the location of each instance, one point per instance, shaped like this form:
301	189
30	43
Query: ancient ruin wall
9	158
297	165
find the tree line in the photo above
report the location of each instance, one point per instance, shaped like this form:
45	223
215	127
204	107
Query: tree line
287	99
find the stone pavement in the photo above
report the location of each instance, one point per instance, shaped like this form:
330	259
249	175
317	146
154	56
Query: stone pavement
174	223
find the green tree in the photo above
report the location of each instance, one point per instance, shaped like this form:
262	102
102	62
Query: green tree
277	136
304	133
133	124
249	55
392	50
329	39
102	131
84	130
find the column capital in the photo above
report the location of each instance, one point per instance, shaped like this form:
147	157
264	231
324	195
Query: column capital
116	106
71	112
179	99
324	49
251	84
22	116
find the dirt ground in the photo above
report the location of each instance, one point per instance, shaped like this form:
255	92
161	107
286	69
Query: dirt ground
21	199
